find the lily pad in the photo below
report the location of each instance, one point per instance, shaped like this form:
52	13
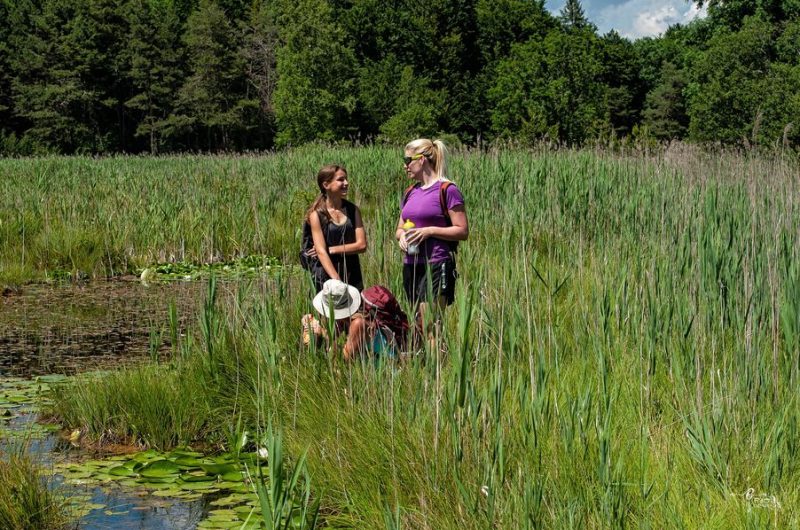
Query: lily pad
171	492
218	469
233	476
191	477
160	469
158	482
198	486
182	452
120	471
189	461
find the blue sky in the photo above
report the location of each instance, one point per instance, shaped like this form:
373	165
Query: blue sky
634	18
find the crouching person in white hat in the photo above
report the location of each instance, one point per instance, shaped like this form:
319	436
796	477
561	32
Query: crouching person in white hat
339	303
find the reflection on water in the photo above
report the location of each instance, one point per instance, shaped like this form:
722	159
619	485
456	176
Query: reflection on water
123	509
71	328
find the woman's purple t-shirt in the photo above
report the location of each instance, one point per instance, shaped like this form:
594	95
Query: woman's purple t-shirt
423	208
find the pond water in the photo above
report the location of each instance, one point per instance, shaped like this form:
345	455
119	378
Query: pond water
67	329
118	508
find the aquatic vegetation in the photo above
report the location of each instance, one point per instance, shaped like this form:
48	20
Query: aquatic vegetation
251	265
26	501
20	400
158	407
236	481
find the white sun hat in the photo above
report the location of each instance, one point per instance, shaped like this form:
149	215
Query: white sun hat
344	299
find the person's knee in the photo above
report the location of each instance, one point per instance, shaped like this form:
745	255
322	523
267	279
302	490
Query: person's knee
355	336
357	325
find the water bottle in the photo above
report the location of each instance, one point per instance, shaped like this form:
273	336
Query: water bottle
412	249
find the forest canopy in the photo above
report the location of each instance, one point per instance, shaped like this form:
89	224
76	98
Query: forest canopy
139	76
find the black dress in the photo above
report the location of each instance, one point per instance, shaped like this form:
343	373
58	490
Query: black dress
347	266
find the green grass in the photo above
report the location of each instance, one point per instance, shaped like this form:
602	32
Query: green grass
26	503
625	350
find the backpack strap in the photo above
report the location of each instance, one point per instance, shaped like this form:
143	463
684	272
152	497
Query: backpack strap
442	198
406	194
443	201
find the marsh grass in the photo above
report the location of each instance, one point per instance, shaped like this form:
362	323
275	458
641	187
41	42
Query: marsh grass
624	351
26	502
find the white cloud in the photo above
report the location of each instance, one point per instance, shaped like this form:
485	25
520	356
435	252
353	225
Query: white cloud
635	18
646	18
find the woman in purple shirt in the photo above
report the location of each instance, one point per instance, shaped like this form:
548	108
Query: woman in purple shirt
440	220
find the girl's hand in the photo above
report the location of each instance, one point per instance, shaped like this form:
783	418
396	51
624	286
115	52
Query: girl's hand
311	253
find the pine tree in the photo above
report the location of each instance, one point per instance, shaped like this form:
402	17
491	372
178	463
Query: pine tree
259	55
573	17
208	99
65	83
6	104
153	59
665	111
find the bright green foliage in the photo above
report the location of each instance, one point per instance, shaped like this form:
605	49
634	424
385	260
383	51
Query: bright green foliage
731	14
314	95
502	23
173	75
550	89
575	92
419	109
519	92
732	89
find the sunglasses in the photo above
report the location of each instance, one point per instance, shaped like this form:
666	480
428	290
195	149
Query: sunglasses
408	159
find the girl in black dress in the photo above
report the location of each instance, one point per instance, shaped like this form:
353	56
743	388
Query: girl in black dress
333	234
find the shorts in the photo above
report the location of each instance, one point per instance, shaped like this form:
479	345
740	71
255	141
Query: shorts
441	276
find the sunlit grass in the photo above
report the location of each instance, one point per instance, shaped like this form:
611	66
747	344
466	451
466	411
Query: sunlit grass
625	350
26	502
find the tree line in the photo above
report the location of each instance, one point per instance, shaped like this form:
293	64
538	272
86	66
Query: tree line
105	76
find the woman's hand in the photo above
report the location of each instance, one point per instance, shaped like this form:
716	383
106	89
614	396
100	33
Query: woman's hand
402	242
311	253
417	235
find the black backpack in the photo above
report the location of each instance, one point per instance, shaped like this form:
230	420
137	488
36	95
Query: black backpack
307	243
442	202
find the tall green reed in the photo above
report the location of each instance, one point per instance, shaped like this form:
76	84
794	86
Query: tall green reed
623	351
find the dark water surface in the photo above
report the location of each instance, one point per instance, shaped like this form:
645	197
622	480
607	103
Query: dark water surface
66	329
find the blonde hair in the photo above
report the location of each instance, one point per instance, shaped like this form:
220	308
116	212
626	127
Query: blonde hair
434	151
